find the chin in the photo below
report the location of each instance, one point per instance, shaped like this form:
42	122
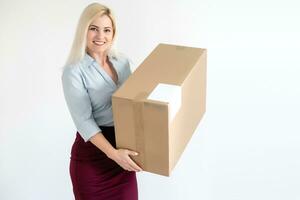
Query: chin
100	50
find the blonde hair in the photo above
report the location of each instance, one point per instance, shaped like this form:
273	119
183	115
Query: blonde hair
91	12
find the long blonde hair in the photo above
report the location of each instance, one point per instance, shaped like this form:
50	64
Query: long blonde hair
92	11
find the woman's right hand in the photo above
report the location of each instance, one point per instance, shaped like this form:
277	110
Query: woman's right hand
122	157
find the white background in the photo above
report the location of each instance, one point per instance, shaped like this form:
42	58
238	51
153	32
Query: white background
245	148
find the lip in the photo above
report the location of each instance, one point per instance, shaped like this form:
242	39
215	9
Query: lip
98	43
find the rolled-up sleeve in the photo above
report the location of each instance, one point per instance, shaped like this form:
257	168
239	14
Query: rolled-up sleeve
79	103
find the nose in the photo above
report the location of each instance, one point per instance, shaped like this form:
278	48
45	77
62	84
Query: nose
100	34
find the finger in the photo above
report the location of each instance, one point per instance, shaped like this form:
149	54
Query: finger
132	170
129	168
134	165
132	153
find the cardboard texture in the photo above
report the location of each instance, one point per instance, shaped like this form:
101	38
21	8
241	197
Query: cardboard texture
144	125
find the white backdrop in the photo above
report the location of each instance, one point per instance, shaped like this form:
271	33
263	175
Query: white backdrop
245	148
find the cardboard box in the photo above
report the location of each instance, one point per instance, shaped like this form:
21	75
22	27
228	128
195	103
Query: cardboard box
157	129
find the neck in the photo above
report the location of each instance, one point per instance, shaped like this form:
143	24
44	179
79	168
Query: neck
101	57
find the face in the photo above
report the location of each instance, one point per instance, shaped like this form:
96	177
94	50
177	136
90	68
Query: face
100	35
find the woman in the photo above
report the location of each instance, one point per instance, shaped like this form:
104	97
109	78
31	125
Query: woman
92	74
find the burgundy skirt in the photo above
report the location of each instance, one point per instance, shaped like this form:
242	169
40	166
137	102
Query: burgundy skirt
95	176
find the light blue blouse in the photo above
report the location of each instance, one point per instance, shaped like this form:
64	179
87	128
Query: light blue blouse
88	90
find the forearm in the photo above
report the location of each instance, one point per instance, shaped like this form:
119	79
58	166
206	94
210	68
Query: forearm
101	142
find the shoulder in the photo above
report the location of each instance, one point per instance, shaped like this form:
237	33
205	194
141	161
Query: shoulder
80	66
118	57
123	65
122	61
72	71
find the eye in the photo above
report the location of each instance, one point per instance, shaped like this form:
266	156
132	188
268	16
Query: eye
107	30
93	29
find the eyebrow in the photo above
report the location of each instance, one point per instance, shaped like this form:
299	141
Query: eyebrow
98	26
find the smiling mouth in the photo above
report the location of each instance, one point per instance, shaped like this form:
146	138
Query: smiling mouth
98	43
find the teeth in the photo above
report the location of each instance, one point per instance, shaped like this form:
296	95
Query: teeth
99	43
